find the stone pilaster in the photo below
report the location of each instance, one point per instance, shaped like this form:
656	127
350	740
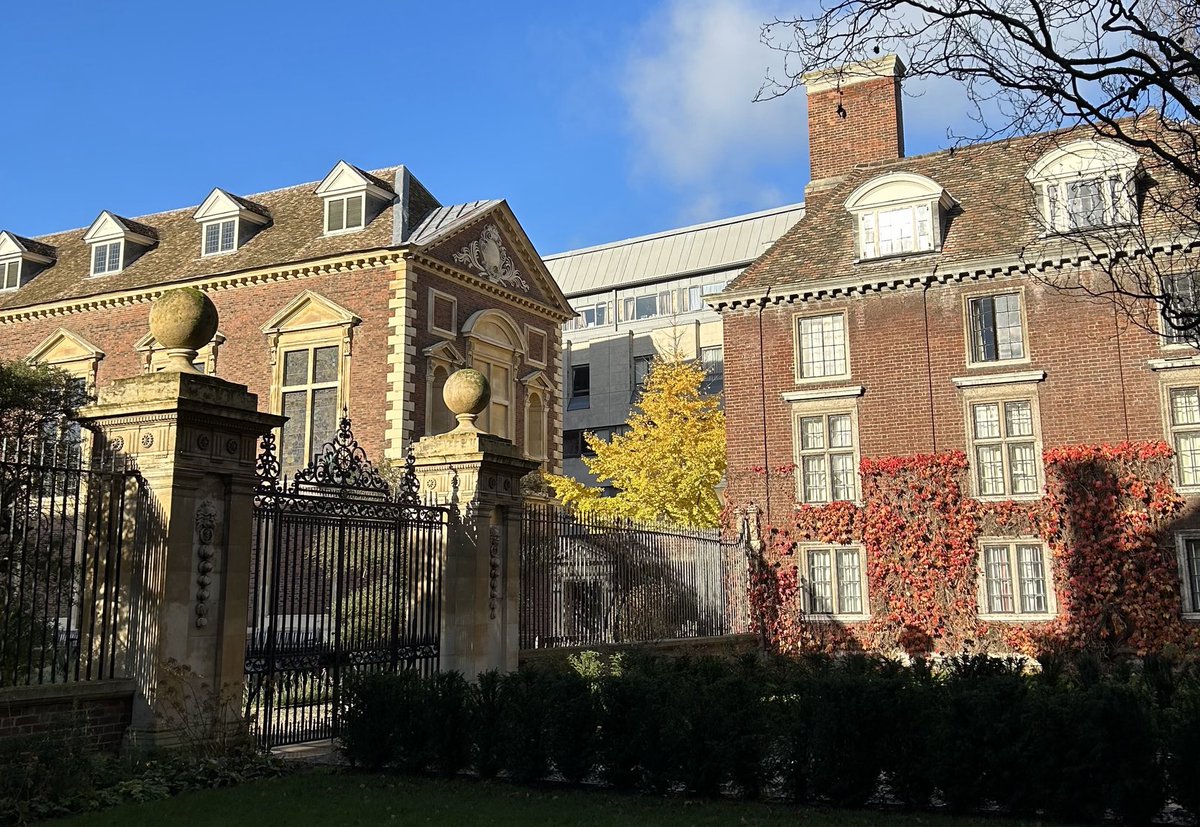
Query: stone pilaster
479	474
194	439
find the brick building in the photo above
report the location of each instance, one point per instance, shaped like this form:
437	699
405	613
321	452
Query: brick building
361	292
918	308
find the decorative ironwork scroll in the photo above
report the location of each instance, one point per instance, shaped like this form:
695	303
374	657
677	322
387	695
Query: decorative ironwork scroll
342	464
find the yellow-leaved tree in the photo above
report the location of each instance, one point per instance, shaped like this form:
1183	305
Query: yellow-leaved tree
667	465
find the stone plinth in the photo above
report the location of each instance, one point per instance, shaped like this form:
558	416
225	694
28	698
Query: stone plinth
194	438
480	475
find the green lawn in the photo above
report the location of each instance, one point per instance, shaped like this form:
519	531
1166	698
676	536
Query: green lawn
329	798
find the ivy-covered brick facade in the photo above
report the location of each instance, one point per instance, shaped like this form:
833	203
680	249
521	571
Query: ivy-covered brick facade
953	450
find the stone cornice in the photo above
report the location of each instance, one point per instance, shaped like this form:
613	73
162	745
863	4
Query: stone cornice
485	286
362	260
981	268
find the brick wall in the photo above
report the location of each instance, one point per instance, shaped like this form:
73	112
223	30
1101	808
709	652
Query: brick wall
471	302
870	129
100	712
905	348
245	356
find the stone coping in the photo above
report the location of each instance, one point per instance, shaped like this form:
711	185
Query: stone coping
48	693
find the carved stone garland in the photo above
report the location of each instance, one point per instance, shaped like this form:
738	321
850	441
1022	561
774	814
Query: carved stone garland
488	256
495	538
206	535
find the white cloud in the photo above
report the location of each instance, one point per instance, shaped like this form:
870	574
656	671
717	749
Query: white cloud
689	81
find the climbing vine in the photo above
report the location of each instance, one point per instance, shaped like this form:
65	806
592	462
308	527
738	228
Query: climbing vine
1102	519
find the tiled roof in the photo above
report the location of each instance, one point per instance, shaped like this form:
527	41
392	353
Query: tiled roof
716	245
995	220
295	235
247	204
36	247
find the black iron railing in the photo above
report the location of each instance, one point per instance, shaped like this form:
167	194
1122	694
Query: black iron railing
65	520
587	580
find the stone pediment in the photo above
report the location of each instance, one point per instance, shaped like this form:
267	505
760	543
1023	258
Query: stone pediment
309	311
64	346
494	249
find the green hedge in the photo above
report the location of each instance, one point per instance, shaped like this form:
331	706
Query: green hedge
1071	741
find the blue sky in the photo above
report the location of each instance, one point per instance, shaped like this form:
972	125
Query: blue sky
597	121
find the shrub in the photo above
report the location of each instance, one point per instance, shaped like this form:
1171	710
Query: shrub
449	715
572	725
383	721
486	734
1182	741
524	704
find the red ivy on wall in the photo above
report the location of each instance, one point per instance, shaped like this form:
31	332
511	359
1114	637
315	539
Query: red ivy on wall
1102	519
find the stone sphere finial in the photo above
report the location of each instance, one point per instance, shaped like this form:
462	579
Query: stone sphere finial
467	393
182	321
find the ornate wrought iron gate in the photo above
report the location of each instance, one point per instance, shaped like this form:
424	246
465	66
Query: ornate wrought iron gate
345	580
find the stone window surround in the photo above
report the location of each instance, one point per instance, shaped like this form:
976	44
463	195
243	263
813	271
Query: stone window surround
334	325
1047	573
1190	603
995	290
1003	388
434	296
823	402
1175	376
508	354
797	318
72	353
803	551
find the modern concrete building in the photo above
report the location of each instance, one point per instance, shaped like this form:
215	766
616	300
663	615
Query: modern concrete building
645	297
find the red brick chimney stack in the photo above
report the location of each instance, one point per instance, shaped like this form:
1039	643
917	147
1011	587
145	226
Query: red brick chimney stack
854	116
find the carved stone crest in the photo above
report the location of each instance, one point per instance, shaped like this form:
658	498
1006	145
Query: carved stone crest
490	259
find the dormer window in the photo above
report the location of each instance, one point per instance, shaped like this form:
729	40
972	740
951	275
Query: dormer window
227	222
343	214
898	214
106	258
117	242
21	258
1085	185
352	198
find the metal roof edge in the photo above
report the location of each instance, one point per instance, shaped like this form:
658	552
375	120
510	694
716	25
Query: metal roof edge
735	219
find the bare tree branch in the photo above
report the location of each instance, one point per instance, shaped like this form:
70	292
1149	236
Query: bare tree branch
1123	70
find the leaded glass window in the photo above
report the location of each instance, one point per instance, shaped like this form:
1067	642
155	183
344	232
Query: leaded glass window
821	343
1015	581
309	398
1191	574
1185	433
833	581
825	462
996	330
1181	309
220	236
896	231
106	258
1005	446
